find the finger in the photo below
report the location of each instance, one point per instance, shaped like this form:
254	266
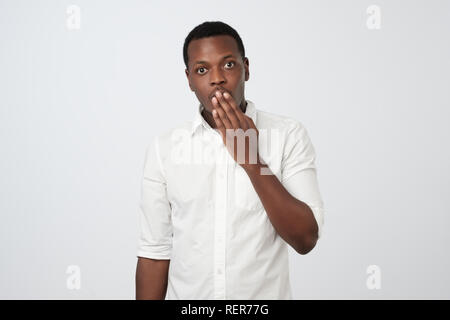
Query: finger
229	111
237	111
219	123
222	114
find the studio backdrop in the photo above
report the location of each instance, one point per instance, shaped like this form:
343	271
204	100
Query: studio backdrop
86	85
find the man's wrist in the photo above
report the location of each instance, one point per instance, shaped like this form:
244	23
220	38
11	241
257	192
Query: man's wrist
253	168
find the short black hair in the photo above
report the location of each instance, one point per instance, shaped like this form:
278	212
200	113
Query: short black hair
209	29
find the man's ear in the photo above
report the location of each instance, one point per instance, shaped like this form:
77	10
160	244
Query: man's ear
187	76
247	69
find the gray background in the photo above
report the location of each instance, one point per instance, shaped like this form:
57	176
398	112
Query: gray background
78	108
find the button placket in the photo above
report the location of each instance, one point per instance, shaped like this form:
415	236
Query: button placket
220	225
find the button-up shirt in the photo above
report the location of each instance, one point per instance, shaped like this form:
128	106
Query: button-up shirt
200	210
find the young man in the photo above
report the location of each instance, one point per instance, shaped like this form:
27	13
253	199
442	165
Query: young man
225	194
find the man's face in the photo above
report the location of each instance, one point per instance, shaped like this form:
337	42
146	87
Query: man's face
215	63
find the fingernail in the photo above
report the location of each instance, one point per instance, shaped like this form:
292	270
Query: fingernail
226	95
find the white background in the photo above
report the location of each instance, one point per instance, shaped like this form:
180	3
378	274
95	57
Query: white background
78	108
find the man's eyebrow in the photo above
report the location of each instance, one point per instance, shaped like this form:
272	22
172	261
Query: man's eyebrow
205	62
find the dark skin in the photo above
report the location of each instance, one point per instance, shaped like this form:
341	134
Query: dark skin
224	111
151	278
223	69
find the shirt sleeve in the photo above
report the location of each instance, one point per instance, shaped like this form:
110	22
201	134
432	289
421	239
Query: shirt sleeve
299	173
155	224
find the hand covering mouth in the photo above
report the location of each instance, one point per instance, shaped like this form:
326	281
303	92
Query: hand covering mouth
213	93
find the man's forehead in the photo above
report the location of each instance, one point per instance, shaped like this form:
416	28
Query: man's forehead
220	45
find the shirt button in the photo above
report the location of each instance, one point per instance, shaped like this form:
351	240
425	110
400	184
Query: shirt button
219	271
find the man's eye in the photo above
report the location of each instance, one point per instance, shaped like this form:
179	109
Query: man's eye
231	63
200	69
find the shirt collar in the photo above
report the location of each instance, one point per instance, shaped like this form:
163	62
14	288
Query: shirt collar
199	121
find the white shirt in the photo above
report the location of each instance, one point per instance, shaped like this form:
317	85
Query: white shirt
199	209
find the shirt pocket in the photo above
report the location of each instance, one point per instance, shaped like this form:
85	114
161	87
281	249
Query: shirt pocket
189	184
245	196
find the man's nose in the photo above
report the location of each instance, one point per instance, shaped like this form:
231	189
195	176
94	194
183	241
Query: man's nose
217	77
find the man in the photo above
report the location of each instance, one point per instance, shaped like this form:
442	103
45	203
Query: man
225	194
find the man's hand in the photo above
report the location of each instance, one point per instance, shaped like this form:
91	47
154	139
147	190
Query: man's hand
242	144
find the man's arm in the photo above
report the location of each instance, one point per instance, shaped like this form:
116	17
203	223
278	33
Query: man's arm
155	224
293	219
151	279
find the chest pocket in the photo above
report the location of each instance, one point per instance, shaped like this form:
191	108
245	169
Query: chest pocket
245	196
189	184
